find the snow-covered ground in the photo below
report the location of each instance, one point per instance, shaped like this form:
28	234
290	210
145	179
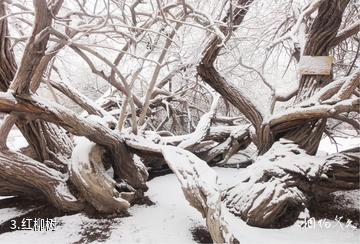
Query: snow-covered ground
16	140
171	219
342	143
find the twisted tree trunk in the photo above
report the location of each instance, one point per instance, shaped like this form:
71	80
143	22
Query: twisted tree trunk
285	180
322	33
23	176
50	144
283	185
47	141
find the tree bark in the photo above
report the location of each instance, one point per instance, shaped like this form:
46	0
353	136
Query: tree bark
285	180
7	64
198	182
23	176
47	141
322	33
88	174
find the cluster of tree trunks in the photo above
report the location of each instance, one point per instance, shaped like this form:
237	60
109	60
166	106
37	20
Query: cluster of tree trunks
273	198
283	181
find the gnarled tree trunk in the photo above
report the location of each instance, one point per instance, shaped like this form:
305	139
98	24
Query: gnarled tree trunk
285	180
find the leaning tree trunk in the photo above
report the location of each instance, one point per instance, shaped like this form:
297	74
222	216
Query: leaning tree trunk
92	185
50	144
199	184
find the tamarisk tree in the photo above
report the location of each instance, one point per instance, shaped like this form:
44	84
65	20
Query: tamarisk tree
169	104
300	125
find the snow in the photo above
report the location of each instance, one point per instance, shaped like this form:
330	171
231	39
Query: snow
16	140
81	150
7	213
8	96
170	221
202	127
343	143
80	155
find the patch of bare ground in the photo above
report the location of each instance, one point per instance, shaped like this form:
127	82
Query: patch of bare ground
96	230
201	234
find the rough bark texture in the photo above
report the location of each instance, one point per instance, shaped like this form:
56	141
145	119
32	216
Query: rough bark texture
23	176
133	173
307	132
34	49
322	33
285	180
198	182
7	61
47	141
88	174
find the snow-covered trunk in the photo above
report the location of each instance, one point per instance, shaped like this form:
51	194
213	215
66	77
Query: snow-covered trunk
23	176
285	180
201	188
47	141
199	184
88	174
101	191
322	33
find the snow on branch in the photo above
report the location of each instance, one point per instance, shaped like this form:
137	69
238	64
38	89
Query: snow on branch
199	184
312	7
329	101
88	174
276	188
324	110
37	108
203	126
72	93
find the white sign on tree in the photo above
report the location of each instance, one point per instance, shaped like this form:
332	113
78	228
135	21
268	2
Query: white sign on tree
315	65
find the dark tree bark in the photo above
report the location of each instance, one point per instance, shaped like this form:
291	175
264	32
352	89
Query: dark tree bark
322	34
